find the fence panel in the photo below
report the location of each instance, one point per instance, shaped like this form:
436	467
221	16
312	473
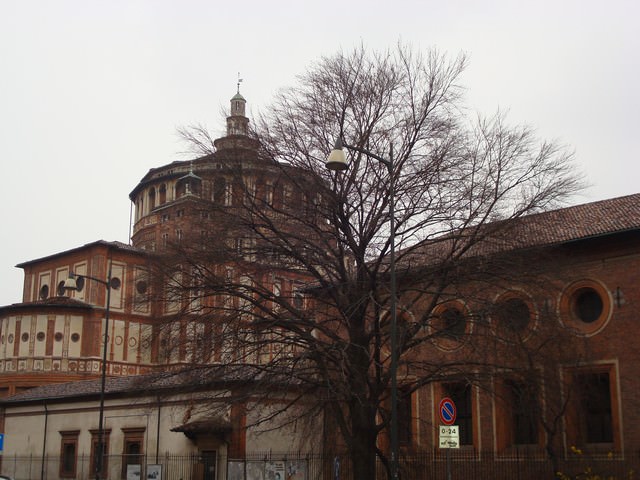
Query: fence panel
431	465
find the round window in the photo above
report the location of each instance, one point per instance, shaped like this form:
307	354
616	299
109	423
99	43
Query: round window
25	337
450	325
75	337
44	292
40	336
58	336
141	287
453	323
586	306
513	315
60	289
115	283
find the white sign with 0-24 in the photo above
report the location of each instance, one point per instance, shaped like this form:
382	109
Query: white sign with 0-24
449	436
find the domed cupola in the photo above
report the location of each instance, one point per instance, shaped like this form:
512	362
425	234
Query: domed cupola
237	122
238	104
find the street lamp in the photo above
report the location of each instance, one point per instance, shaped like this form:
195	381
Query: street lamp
70	284
337	160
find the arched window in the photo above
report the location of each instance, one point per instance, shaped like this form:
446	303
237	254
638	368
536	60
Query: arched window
152	198
219	190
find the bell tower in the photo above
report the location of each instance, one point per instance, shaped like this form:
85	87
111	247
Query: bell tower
237	126
237	122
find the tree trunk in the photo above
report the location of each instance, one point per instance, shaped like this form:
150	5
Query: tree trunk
363	446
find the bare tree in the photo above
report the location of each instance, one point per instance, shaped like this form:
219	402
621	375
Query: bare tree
198	139
324	331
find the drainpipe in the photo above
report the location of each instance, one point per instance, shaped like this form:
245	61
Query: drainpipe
44	440
158	432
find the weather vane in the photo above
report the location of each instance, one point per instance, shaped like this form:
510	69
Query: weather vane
239	81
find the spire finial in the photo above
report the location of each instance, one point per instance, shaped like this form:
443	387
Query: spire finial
239	82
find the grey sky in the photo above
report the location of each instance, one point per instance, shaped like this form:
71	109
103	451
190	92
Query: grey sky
91	92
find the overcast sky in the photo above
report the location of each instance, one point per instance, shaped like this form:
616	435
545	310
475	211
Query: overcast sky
91	92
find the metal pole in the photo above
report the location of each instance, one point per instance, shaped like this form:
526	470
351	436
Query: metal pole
393	367
100	449
394	322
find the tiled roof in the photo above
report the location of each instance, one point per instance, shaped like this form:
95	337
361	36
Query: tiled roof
52	302
581	221
193	378
117	245
78	389
554	227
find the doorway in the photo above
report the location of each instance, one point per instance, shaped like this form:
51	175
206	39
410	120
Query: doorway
209	464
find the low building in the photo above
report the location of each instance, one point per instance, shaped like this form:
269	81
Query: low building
150	423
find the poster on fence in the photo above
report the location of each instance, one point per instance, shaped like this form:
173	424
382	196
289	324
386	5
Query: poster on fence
268	470
235	470
154	472
255	470
274	471
134	471
296	470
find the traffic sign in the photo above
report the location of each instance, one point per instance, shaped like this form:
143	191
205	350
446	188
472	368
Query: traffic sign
447	411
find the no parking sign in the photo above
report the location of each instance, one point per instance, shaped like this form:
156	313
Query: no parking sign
447	411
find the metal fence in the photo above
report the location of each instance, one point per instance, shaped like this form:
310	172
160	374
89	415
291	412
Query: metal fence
432	465
174	467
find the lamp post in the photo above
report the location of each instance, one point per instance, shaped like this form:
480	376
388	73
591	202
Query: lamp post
70	284
337	160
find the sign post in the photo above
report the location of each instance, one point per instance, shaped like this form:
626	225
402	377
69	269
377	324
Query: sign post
449	435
